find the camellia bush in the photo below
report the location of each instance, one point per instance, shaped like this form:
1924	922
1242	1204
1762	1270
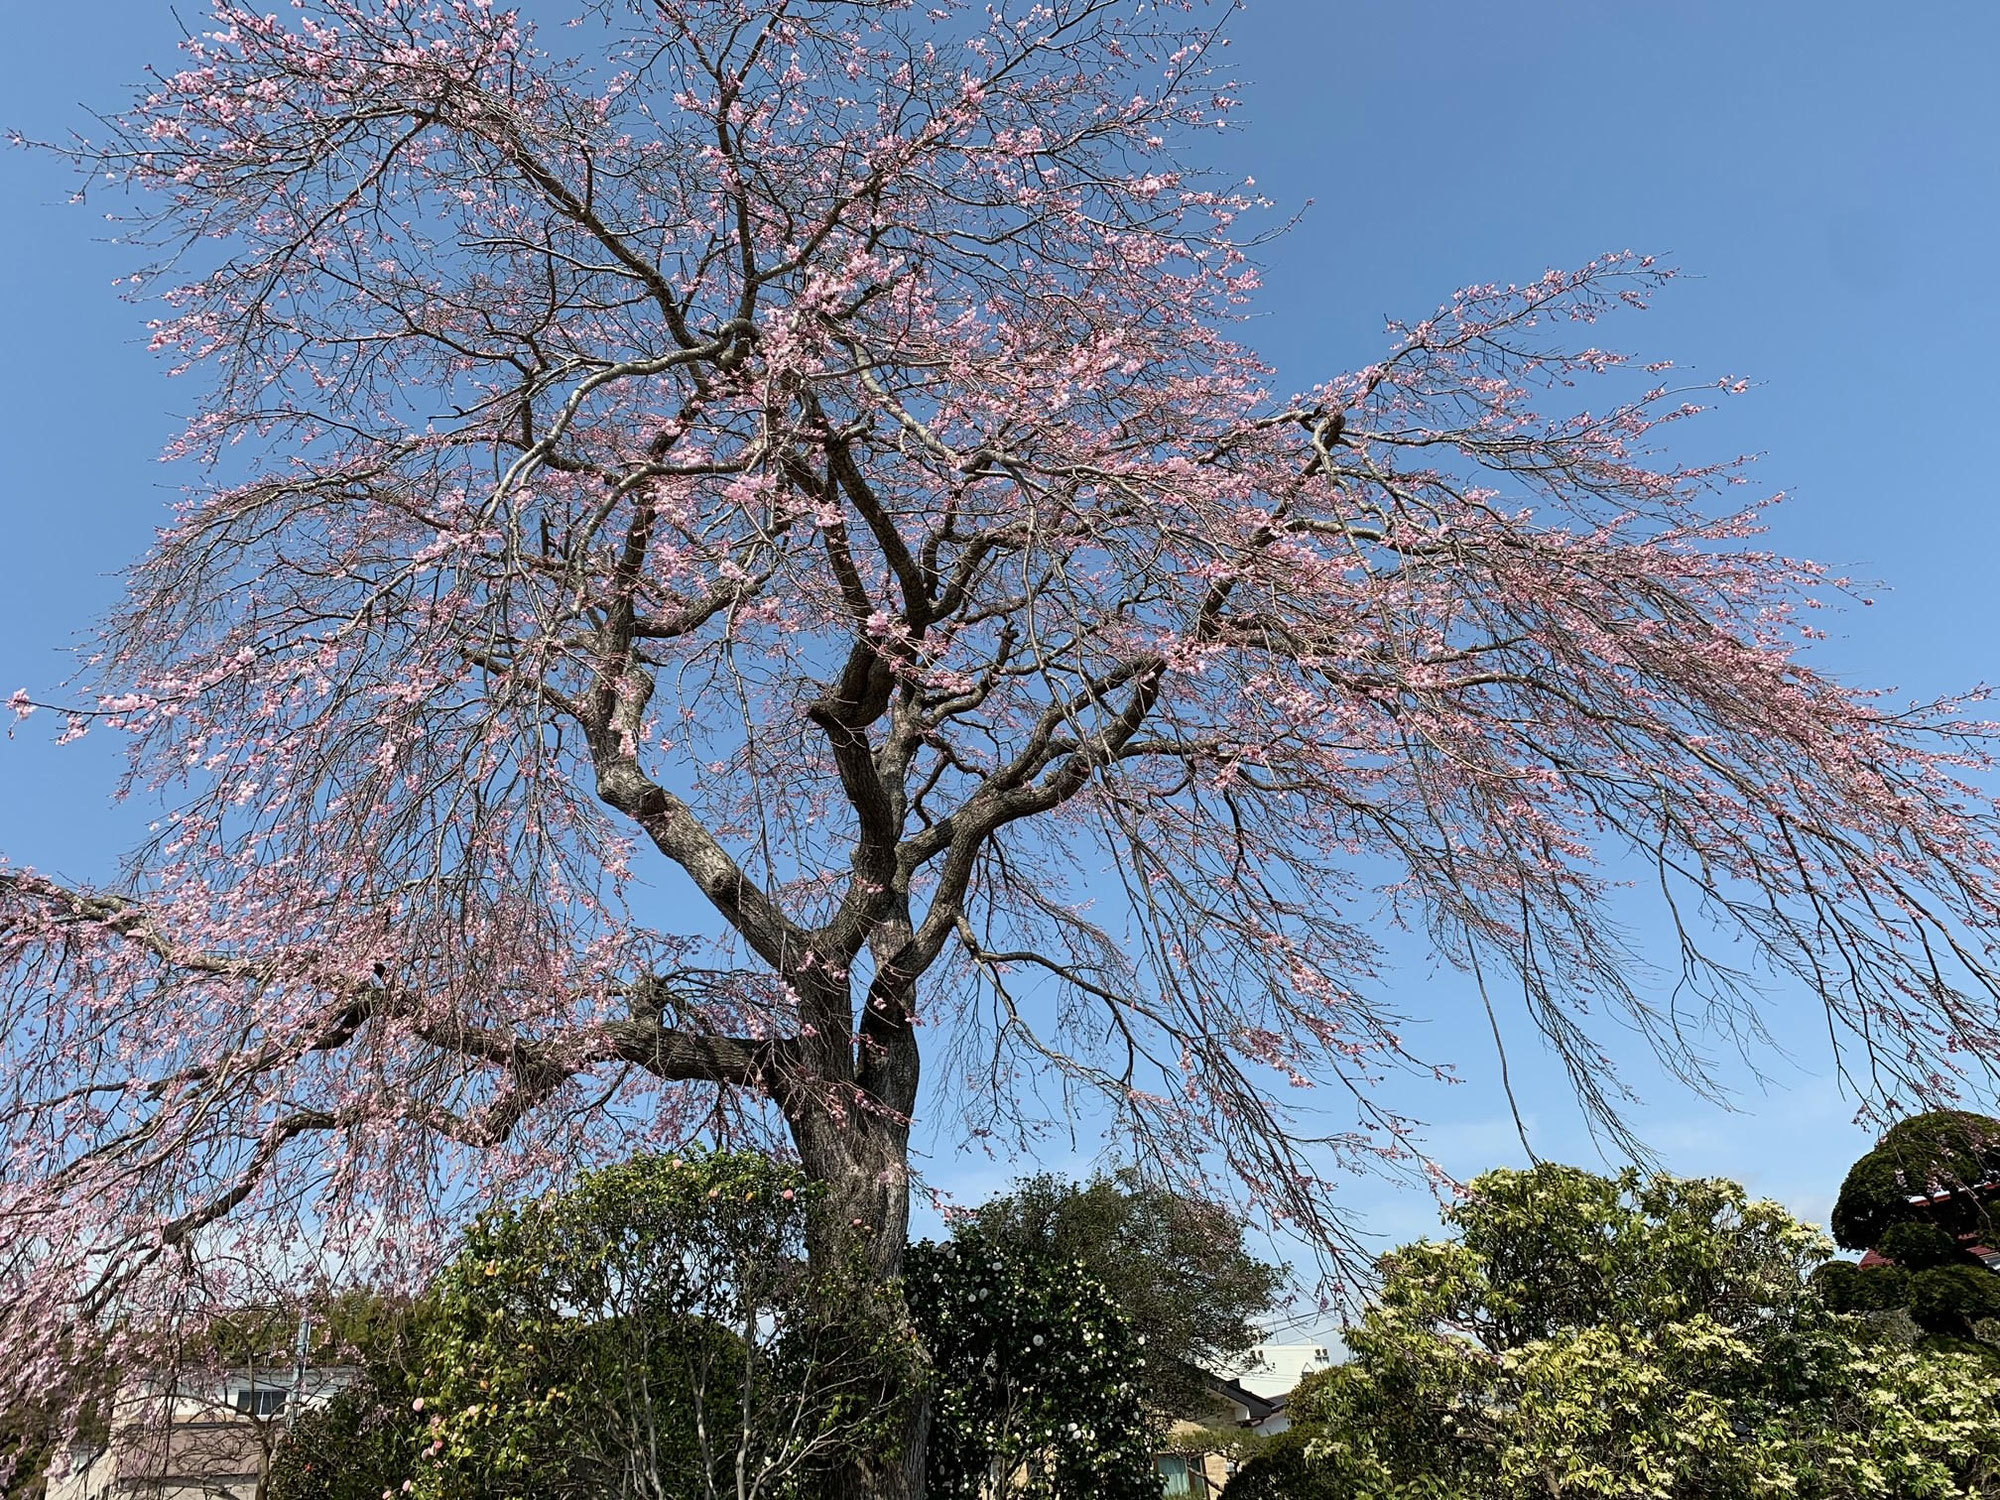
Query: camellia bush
358	1446
1039	1377
1291	1466
1174	1264
1607	1337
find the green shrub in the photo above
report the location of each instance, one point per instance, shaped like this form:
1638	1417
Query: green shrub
359	1445
1917	1246
656	1330
1953	1299
1949	1152
1284	1470
1038	1376
1849	1288
1604	1338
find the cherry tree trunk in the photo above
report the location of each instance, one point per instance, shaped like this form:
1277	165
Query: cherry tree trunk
863	1167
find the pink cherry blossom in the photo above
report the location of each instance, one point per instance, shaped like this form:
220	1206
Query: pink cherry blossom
803	445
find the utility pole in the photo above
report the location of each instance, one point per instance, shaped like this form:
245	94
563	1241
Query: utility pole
298	1371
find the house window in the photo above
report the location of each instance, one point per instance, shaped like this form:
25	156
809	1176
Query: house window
1178	1477
259	1400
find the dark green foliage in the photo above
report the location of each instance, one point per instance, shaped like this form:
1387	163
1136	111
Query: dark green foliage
361	1444
1849	1288
28	1438
1835	1283
1918	1246
1283	1470
561	1320
1176	1267
1945	1160
30	1435
1951	1152
1038	1374
1951	1300
33	1433
653	1332
367	1438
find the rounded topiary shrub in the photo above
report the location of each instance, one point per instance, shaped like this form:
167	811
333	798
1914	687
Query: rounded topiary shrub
1849	1288
1918	1246
1948	1155
1953	1299
1283	1469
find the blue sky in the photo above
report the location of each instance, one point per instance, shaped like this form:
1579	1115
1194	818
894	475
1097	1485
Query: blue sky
1828	174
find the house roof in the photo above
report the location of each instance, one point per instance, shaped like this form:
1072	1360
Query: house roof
1986	1255
1235	1392
1936	1194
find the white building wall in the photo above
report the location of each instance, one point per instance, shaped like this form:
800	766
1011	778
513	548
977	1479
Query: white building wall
1271	1370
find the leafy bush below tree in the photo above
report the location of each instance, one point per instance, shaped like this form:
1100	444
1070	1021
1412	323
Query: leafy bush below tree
1174	1264
1601	1338
1039	1376
654	1331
